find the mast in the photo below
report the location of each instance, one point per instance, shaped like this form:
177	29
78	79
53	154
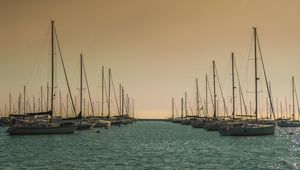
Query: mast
122	108
108	104
197	98
67	111
120	99
293	94
24	99
214	81
181	108
102	94
132	107
233	87
81	70
9	103
19	104
41	98
256	77
47	104
206	94
128	104
60	105
185	104
33	104
52	68
172	108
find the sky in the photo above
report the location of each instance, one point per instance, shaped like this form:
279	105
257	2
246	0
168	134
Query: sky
155	48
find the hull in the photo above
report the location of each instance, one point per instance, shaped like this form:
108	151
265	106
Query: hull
197	124
37	130
256	130
185	122
213	126
288	124
102	124
116	123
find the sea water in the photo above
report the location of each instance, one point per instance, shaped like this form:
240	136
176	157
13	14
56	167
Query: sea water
150	145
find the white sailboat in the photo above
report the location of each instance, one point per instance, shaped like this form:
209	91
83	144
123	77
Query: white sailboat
49	126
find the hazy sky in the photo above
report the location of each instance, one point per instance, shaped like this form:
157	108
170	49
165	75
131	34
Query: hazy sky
156	48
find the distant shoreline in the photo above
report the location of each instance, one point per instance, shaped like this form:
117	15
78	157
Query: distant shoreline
153	119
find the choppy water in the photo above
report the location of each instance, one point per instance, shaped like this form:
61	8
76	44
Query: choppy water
150	145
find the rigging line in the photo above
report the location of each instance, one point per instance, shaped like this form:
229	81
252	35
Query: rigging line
119	109
176	110
45	104
190	104
28	102
240	87
88	88
297	100
247	70
221	92
200	100
126	104
65	73
105	89
265	75
210	94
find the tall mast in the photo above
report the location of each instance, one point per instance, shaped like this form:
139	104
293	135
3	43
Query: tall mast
102	102
215	96
256	77
206	94
108	104
47	104
9	103
122	103
52	67
81	70
132	107
41	99
172	108
293	94
19	104
233	86
67	111
60	105
128	104
197	98
24	99
120	99
181	107
33	104
185	104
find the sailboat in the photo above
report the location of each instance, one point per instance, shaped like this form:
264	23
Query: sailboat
215	123
293	122
201	121
254	128
49	126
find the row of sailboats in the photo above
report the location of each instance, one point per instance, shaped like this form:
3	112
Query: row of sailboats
44	122
233	125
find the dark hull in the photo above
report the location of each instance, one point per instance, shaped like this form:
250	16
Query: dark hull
84	126
213	126
247	130
288	124
197	124
37	130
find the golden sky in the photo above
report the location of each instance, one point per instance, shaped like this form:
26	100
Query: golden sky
156	48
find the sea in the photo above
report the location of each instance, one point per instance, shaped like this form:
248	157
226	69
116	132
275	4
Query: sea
150	145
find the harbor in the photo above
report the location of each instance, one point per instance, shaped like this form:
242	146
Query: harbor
151	145
117	85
